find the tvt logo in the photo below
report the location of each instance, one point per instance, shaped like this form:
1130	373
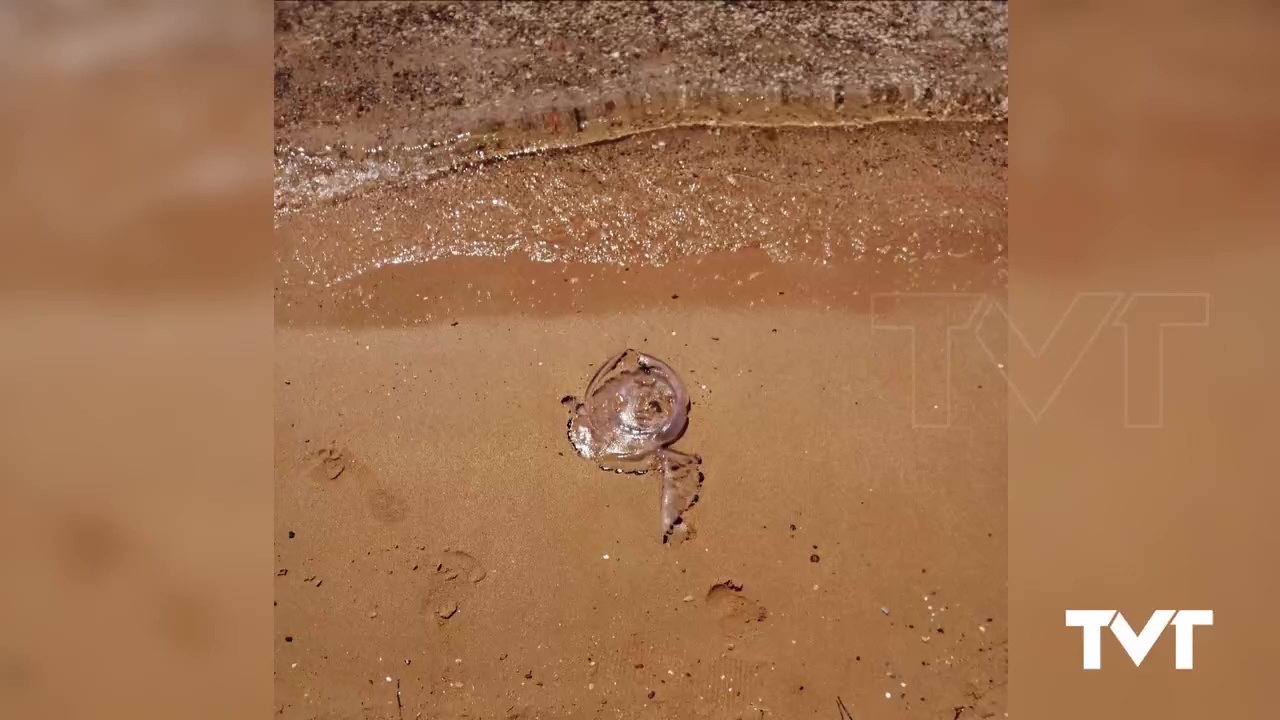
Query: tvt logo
1137	645
1140	322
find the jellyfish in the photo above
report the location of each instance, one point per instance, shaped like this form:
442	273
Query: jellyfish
634	409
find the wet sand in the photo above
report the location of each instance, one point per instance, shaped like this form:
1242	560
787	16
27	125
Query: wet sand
452	437
441	551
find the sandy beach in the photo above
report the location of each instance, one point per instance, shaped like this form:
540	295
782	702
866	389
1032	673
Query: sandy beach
443	553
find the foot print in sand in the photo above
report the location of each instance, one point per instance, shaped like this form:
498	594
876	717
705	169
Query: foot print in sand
453	564
332	463
328	463
734	610
451	575
634	409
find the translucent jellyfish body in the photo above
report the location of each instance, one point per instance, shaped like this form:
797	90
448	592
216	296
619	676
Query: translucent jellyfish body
635	407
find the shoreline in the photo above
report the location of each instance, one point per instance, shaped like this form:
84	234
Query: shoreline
892	208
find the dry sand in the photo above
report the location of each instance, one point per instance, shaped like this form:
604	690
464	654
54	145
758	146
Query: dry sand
442	553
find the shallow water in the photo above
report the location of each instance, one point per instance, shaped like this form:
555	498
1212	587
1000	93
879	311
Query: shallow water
307	176
903	204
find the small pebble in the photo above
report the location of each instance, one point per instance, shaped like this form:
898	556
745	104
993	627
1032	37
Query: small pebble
373	614
447	609
688	598
884	610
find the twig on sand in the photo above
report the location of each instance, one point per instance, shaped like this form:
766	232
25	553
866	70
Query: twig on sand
399	707
844	711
